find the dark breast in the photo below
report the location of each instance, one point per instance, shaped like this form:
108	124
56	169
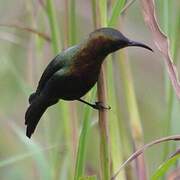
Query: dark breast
84	74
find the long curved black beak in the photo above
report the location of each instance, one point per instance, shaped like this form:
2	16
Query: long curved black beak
134	43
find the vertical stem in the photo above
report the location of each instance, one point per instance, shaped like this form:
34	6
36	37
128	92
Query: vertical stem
72	21
71	125
119	133
135	122
103	128
81	152
63	108
71	9
53	26
65	24
103	12
94	13
102	97
168	87
82	145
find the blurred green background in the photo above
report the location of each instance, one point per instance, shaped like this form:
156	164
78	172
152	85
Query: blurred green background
51	154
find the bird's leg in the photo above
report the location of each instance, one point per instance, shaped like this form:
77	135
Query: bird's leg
97	105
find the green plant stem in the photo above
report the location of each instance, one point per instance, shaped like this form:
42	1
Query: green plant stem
66	24
80	159
72	22
135	122
124	67
103	116
116	134
53	26
56	47
103	12
103	128
94	13
71	9
172	33
124	130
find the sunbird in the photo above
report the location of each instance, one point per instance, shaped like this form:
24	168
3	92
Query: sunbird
73	72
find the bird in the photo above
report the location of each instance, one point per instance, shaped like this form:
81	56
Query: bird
73	72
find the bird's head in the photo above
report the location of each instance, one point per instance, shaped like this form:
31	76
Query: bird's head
108	40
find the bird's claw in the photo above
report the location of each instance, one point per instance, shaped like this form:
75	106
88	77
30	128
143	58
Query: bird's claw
100	106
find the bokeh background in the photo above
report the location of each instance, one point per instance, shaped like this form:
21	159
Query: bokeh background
51	154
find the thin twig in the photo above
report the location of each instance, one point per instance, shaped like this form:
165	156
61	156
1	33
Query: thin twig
142	149
28	29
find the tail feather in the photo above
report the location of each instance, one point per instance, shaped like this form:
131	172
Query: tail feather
34	113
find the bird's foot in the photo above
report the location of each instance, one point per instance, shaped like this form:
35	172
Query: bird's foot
100	106
97	105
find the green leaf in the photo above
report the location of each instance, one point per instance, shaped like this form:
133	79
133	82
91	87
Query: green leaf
88	178
81	153
161	171
116	10
54	27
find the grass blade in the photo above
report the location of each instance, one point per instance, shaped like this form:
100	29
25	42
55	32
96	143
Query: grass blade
80	159
53	26
72	22
116	11
162	170
88	178
161	42
142	149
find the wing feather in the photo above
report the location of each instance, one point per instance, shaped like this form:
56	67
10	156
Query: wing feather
55	65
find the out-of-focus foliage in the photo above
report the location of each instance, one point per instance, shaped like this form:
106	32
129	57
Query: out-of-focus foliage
51	154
